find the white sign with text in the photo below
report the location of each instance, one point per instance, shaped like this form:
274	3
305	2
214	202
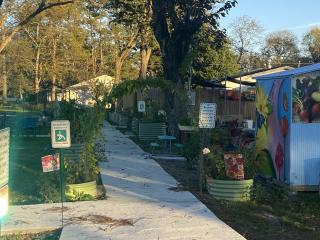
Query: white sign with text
207	115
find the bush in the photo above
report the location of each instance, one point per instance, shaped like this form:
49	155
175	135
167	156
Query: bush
86	123
267	190
192	149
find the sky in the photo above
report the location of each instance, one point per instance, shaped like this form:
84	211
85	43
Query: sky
298	16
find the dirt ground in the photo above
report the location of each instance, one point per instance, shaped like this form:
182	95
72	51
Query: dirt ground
289	219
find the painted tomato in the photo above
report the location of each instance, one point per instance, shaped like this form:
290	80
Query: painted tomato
279	158
284	126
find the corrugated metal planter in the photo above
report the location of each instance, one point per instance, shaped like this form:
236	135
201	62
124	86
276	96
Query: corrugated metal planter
89	188
233	190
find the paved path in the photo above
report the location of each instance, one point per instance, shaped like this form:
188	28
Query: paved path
139	206
138	188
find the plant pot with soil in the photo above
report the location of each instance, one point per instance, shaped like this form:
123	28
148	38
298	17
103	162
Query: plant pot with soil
81	175
227	175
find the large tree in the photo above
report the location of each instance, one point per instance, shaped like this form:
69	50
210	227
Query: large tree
281	48
175	24
311	42
135	14
212	59
9	32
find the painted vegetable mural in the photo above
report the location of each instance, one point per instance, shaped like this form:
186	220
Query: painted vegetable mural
306	99
273	127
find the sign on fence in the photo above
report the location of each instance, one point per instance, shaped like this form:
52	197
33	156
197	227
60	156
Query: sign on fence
50	163
207	115
60	134
4	170
141	106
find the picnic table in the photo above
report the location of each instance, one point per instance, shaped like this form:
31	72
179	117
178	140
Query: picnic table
167	138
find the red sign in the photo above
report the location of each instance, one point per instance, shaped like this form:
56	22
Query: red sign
234	165
50	163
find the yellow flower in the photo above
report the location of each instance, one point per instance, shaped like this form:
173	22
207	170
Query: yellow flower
261	139
262	104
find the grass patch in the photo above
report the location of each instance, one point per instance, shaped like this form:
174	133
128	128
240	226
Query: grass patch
26	176
48	235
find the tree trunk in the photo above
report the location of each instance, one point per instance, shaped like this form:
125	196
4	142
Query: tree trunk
4	79
145	57
54	69
37	64
118	68
93	61
101	59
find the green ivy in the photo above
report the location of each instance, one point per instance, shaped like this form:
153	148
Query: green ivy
129	86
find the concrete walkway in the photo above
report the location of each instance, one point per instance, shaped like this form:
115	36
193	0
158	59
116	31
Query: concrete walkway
139	206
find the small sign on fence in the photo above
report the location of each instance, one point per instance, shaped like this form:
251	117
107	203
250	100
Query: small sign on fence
207	115
141	106
60	134
50	163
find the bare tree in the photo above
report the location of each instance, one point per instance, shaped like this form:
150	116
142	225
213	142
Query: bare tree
245	34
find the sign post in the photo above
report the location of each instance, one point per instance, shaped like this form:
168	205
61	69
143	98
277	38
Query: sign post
4	172
207	119
60	138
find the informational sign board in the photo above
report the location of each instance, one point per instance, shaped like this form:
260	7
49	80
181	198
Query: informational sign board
4	200
234	165
50	163
141	106
60	134
4	156
207	115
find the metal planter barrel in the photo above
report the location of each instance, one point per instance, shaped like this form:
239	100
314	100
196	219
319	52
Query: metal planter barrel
233	190
89	188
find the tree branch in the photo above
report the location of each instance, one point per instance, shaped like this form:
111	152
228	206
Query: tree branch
42	7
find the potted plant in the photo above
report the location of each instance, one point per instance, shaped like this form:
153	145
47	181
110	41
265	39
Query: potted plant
81	174
229	175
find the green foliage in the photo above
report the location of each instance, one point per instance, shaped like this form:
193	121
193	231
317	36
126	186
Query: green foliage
213	59
128	87
311	42
268	190
79	196
192	149
86	122
86	125
186	121
49	188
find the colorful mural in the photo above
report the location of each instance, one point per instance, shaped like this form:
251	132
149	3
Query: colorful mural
273	114
306	98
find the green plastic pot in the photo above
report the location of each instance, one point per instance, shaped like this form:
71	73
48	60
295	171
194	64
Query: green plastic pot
89	188
232	190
